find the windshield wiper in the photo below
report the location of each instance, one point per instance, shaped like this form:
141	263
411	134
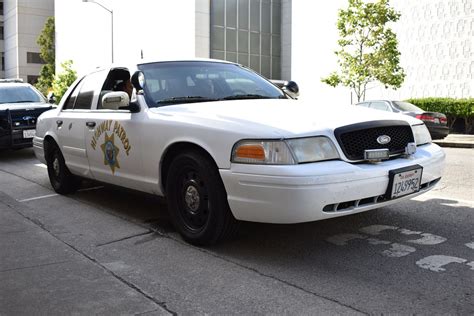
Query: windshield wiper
187	99
246	96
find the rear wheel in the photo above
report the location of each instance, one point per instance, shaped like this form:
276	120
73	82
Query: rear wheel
62	180
197	200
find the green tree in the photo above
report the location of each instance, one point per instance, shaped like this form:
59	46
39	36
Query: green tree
46	41
368	47
63	80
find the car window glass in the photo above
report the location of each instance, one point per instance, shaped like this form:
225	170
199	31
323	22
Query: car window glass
116	81
69	104
191	81
19	94
86	95
405	106
379	106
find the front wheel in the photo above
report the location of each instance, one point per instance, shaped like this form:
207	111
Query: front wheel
197	200
62	180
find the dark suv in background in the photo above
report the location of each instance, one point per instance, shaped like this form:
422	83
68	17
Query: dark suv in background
436	123
20	106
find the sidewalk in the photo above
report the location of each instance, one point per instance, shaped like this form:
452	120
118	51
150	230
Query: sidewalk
40	274
457	141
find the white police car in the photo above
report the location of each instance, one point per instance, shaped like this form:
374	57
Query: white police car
223	144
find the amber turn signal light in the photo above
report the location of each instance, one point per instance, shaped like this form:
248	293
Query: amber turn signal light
250	152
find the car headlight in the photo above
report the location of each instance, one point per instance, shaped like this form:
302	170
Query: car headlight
262	152
421	134
313	149
284	152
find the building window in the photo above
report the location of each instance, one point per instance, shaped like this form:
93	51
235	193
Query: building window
32	79
1	7
3	61
248	32
34	58
1	31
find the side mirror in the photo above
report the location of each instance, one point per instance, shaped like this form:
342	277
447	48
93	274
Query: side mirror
134	107
138	81
51	98
292	88
115	100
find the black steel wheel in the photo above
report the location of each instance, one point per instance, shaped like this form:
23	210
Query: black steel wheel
62	180
197	200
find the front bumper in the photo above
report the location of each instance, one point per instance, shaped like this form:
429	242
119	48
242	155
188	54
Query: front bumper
315	191
14	140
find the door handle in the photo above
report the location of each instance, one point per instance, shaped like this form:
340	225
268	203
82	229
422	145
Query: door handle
90	124
59	123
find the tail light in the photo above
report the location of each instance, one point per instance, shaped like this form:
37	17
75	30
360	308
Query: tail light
443	120
426	117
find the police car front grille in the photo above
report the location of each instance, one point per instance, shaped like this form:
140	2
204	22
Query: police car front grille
355	139
25	118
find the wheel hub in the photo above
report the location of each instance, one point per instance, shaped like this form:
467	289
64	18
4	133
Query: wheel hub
192	199
56	166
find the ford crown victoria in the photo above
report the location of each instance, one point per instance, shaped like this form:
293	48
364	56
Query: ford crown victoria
20	106
224	145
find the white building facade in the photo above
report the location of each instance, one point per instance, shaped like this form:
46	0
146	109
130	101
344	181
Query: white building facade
282	39
21	22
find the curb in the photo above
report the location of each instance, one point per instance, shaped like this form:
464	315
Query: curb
454	145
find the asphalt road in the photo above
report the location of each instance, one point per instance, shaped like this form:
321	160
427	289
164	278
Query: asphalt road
108	250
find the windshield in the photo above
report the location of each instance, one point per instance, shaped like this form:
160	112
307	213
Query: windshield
19	94
197	81
406	107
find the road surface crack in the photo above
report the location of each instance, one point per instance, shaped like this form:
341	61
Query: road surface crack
125	238
35	266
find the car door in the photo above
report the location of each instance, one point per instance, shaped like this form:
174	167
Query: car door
113	142
71	121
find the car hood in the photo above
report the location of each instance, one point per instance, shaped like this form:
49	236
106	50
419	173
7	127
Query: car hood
22	106
275	117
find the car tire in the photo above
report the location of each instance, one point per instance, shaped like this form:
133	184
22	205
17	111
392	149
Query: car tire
61	179
197	200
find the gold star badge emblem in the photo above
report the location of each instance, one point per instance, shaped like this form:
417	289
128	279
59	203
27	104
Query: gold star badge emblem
110	152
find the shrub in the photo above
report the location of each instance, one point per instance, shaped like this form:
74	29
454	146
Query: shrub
63	80
453	108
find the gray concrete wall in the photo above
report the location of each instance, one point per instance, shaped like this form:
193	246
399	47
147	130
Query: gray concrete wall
203	34
24	21
286	17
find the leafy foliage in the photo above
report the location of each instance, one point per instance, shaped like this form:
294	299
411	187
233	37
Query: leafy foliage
368	47
46	41
453	108
63	80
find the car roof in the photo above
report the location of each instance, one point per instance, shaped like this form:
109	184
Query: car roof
149	61
133	65
15	84
376	100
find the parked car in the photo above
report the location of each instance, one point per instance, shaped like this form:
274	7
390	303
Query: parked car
436	123
20	106
223	145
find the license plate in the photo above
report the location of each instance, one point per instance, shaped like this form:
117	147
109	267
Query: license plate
436	120
29	133
404	181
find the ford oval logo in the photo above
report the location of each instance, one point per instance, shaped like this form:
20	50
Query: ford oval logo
383	139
